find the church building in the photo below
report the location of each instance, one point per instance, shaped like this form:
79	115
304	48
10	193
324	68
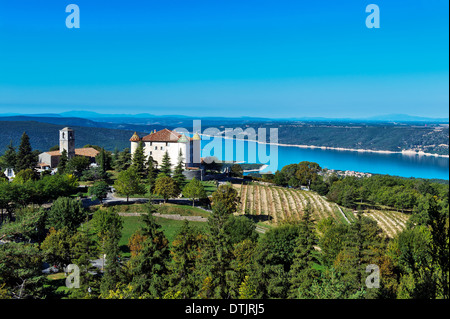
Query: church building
50	160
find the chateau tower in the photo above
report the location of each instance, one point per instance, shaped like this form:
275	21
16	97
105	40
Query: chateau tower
67	141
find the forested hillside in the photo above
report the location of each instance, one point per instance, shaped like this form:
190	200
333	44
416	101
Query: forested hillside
433	138
43	135
371	136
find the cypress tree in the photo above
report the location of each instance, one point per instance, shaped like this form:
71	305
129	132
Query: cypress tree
149	266
151	173
124	160
302	274
103	159
139	159
178	173
215	263
62	165
113	273
185	253
166	165
25	156
115	156
10	156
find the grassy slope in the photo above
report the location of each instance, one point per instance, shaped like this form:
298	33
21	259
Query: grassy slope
168	226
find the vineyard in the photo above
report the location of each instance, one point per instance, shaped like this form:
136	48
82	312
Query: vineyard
284	204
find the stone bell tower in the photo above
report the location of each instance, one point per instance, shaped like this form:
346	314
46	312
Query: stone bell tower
67	141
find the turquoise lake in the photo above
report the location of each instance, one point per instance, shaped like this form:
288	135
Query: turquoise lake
377	163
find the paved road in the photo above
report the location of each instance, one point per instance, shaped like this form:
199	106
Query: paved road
111	199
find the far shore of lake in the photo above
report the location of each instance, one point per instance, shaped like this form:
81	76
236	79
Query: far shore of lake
403	152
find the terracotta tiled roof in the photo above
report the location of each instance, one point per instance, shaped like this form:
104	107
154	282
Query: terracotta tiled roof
164	135
54	153
88	152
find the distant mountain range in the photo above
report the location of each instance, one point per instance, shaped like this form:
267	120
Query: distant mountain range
146	118
395	132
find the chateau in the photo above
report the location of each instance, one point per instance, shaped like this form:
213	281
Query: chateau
156	144
50	160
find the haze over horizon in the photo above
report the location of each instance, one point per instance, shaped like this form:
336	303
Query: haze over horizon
273	59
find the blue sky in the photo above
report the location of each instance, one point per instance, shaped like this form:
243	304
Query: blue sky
274	58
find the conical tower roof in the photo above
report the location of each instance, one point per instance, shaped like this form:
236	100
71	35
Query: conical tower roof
183	139
135	138
196	137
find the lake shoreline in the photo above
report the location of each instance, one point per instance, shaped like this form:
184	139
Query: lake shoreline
403	152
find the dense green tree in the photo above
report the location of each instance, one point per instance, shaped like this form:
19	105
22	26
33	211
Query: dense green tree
166	165
104	160
329	286
185	252
215	262
113	273
152	173
178	175
361	248
129	183
107	225
289	171
57	247
99	190
29	225
62	165
331	240
124	160
77	165
307	172
94	174
149	268
9	157
240	228
25	175
3	177
280	179
228	196
25	156
302	273
84	250
241	268
21	270
272	261
138	159
66	212
166	187
413	254
430	213
194	190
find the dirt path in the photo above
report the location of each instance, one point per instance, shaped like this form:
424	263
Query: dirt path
170	216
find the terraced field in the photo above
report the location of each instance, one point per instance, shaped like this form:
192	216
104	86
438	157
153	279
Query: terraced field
280	203
392	222
284	204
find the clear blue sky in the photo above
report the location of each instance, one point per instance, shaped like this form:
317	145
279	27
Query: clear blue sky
274	58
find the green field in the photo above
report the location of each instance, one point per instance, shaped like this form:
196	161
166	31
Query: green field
170	228
210	187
